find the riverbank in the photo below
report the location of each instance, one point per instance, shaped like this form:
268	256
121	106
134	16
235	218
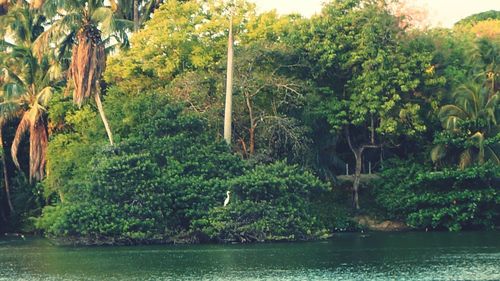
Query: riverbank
364	223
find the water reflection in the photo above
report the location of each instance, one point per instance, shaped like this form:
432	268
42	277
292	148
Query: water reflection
374	256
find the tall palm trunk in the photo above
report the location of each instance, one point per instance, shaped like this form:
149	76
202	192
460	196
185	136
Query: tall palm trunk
5	173
229	86
88	62
103	117
136	15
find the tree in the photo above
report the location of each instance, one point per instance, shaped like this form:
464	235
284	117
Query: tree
475	18
184	37
194	34
27	86
268	91
471	129
85	25
265	92
228	111
365	76
485	24
135	10
30	90
470	115
166	161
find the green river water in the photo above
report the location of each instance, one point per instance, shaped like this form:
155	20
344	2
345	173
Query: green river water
369	256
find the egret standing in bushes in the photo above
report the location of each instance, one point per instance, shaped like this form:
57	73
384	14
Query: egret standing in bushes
228	193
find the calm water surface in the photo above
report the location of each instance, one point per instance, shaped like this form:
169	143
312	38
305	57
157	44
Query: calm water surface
372	256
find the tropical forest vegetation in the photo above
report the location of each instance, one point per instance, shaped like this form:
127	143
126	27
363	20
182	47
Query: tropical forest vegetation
114	121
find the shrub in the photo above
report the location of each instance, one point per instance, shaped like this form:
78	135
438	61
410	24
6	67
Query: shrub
167	178
269	202
165	172
451	199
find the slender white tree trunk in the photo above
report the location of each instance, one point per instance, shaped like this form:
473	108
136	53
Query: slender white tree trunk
136	15
103	117
229	86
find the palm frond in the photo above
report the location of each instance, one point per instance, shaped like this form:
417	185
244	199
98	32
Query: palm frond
468	97
465	159
450	123
493	153
491	107
87	65
478	138
451	109
22	128
4	45
38	149
438	152
10	77
105	18
13	91
57	32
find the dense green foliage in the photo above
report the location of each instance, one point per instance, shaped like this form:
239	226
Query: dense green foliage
164	173
450	199
353	90
166	178
270	202
492	14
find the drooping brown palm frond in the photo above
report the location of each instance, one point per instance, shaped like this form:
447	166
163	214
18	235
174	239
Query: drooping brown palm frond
33	121
38	149
88	62
23	126
466	158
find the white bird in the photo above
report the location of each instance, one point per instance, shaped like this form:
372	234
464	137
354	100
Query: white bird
227	198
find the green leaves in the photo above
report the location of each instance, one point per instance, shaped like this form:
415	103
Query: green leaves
470	121
451	199
269	202
165	172
168	177
371	68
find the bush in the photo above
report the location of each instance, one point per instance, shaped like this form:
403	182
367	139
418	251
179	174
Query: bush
165	172
166	178
269	202
449	199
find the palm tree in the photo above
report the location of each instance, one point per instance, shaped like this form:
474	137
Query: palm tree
487	53
83	25
30	90
135	10
472	118
5	5
27	86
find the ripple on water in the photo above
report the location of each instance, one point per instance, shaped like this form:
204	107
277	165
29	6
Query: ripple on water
392	257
